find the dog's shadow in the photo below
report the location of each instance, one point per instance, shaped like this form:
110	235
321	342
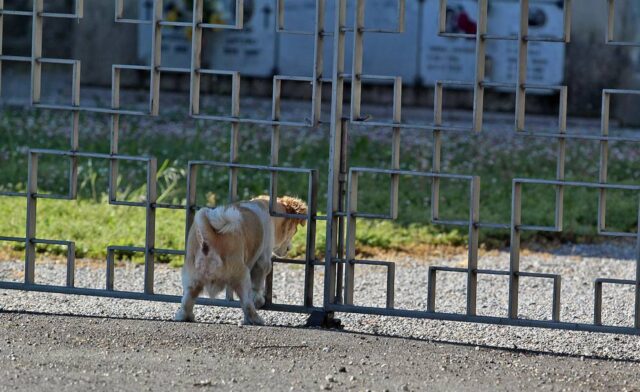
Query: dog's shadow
451	343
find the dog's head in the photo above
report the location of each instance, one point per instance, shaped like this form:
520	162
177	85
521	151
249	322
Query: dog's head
286	228
289	226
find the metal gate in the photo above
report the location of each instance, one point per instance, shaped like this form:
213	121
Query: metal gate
342	211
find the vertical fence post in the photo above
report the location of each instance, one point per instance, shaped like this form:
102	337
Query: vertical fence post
115	133
234	136
395	148
150	228
196	55
597	303
604	161
36	50
156	58
310	251
636	320
32	205
75	130
437	151
481	44
352	207
1	40
561	159
275	155
233	150
472	259
514	259
191	200
356	66
521	93
318	63
333	192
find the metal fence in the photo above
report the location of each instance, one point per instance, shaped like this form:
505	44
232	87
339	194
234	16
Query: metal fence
342	211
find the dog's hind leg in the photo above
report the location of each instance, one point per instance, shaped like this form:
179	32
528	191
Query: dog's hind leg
259	273
191	292
245	292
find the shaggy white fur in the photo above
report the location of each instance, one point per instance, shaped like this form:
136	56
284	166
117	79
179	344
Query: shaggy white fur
225	220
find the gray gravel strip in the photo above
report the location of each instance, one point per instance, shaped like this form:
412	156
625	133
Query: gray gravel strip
578	265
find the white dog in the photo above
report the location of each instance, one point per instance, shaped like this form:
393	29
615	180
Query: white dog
232	246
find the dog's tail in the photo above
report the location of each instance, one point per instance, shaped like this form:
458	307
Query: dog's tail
225	220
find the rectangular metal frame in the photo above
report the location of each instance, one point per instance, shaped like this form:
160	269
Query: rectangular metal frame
555	305
604	161
353	214
610	33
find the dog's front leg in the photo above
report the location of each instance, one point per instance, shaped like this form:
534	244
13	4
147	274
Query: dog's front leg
259	274
245	293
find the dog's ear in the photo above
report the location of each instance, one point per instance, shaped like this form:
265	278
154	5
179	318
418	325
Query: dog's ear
294	223
293	205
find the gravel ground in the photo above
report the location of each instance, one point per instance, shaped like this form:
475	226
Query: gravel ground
51	341
579	265
44	352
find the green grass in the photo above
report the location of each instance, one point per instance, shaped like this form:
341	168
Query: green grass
94	224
